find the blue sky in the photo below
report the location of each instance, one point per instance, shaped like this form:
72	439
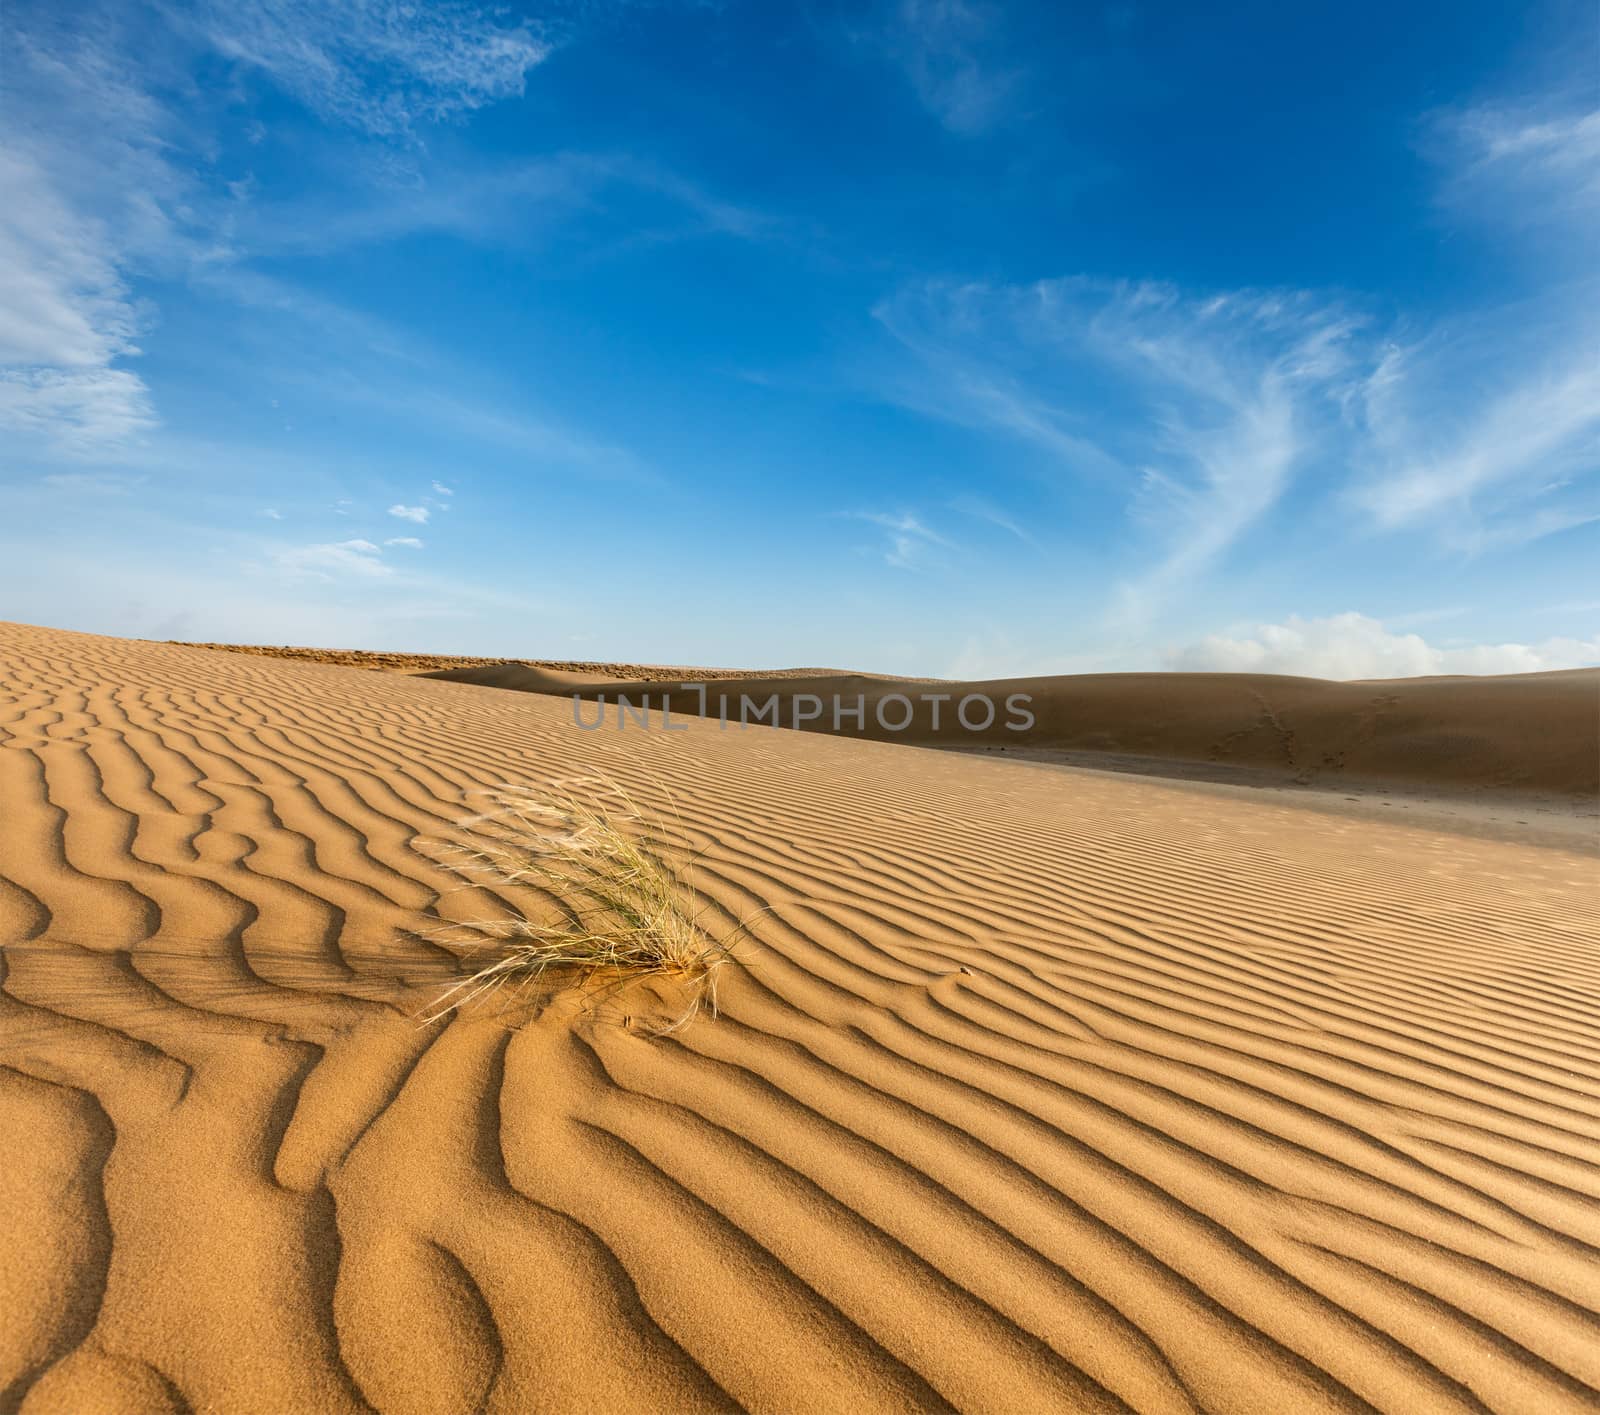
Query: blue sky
931	336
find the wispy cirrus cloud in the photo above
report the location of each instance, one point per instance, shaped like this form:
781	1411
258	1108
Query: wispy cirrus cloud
402	512
981	509
1527	165
949	52
106	180
67	320
1479	430
381	66
1197	410
101	179
519	202
1485	427
332	560
909	543
1210	417
1487	430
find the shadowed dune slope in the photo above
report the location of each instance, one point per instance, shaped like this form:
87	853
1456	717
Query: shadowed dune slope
1526	732
1035	1090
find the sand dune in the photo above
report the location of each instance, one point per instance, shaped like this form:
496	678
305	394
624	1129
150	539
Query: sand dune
1037	1090
429	662
1529	732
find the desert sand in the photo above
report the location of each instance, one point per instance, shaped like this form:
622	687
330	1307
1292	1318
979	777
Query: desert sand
1033	1089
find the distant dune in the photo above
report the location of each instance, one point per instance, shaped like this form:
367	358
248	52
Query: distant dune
1032	1089
425	662
1534	732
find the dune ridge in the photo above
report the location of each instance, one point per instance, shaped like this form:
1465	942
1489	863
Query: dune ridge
1037	1090
387	662
1535	732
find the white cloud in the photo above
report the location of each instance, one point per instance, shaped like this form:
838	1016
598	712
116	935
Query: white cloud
161	582
1486	430
86	184
410	542
381	66
1523	165
945	48
981	510
1480	430
1484	425
1201	414
1346	646
359	558
103	180
443	490
908	541
106	178
64	300
66	318
492	201
419	514
1202	409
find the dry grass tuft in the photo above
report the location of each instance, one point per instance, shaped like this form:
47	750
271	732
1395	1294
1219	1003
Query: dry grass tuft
619	905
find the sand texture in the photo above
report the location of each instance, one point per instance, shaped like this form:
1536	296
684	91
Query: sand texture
1034	1090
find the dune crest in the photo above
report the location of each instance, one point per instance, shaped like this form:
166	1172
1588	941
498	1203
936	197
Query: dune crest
1036	1090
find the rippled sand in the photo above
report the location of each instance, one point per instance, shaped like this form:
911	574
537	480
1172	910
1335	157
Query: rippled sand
1035	1090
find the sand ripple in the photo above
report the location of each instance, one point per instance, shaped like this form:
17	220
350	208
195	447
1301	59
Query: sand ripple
1039	1091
